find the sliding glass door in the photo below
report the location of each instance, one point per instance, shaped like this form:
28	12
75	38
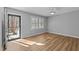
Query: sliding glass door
14	27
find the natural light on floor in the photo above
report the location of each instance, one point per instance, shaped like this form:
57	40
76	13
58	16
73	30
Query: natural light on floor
27	43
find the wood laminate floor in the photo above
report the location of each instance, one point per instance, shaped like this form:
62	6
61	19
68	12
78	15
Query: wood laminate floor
44	42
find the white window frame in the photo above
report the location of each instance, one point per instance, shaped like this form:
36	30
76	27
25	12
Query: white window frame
37	22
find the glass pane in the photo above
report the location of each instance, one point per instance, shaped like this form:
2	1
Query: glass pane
13	27
33	26
33	20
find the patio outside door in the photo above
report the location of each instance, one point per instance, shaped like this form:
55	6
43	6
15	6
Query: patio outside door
14	27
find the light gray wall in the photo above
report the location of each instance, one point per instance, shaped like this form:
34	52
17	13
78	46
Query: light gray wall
25	23
1	18
65	24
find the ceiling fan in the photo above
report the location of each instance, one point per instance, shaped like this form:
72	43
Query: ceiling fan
52	10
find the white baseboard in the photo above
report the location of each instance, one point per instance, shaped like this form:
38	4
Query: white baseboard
33	34
65	35
54	33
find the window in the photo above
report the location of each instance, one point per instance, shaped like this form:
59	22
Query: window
37	22
33	23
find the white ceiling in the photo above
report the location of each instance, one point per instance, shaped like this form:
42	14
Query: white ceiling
44	11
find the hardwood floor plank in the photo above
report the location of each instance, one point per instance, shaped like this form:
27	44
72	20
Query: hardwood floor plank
44	42
74	46
54	44
70	45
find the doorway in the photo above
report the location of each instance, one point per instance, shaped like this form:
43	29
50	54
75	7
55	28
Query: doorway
14	27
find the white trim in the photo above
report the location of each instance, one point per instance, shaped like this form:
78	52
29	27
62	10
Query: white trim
65	35
33	35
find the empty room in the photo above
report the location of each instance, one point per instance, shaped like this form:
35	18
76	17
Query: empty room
39	28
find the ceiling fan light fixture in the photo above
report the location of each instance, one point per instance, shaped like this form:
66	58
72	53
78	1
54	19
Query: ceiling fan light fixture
52	13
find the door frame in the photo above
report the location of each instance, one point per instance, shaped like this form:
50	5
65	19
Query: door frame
19	26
